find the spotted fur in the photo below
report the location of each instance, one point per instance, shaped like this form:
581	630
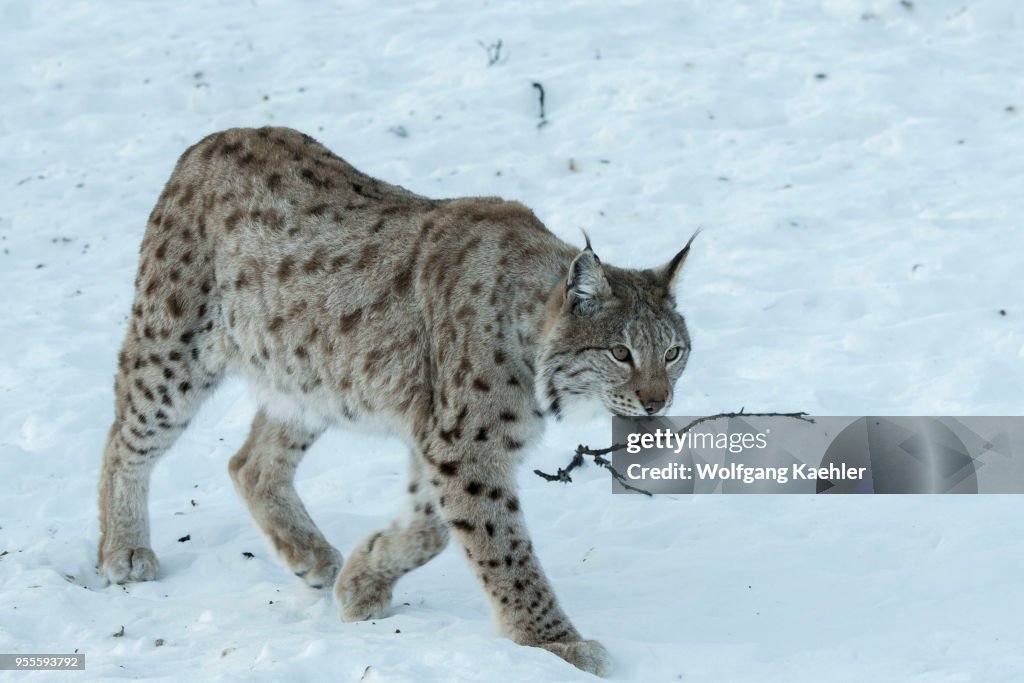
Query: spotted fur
457	324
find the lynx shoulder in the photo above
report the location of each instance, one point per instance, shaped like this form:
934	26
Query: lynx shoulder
459	324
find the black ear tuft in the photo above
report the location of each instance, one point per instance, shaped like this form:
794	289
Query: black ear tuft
667	273
586	238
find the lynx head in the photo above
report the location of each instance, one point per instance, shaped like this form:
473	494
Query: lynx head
613	335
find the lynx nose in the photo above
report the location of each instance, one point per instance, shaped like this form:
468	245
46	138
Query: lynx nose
652	406
652	401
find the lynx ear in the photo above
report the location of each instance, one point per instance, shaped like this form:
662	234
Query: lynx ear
586	286
667	273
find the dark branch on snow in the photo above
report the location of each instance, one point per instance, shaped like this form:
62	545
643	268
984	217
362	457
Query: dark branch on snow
493	51
540	95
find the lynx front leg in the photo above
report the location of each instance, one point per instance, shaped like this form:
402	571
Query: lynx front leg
264	472
477	496
365	584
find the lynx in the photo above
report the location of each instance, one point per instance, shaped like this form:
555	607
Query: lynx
459	324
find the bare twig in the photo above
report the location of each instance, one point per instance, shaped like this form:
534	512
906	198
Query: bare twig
540	95
563	472
493	52
796	416
598	454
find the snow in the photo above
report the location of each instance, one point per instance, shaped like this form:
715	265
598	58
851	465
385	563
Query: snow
855	166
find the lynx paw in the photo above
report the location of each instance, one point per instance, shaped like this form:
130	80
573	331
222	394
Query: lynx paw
319	568
588	655
129	564
361	595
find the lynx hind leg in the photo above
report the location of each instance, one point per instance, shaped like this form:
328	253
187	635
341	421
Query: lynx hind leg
159	386
264	475
366	582
170	361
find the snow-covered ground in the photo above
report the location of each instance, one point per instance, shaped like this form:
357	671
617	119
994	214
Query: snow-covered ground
857	168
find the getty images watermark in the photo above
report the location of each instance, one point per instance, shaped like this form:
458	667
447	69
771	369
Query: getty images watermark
778	454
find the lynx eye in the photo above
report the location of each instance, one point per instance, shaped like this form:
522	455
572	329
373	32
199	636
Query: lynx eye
673	353
621	353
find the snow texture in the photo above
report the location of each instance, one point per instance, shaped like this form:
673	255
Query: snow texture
855	165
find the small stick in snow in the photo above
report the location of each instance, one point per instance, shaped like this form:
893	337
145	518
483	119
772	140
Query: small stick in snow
540	94
598	454
599	459
493	52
